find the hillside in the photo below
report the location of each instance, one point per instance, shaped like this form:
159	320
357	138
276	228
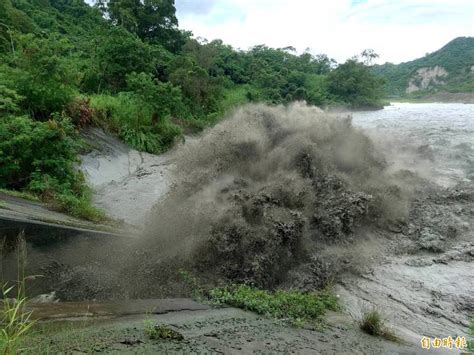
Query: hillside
127	67
449	69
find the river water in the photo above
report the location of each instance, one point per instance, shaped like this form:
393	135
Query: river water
421	294
424	292
441	135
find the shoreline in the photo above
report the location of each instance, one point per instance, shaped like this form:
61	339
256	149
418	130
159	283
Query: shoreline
440	97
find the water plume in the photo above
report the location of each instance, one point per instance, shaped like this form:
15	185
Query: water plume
266	190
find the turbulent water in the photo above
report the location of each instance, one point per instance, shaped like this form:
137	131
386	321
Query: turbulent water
424	282
269	191
442	134
266	190
382	204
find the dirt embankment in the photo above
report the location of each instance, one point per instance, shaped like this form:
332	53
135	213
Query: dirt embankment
127	183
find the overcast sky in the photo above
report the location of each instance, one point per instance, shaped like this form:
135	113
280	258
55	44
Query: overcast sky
399	30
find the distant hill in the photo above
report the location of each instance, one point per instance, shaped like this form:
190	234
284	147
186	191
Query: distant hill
449	69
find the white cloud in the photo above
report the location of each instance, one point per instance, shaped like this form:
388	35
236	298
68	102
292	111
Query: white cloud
194	7
397	30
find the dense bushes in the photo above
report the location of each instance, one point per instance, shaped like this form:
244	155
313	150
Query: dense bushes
44	74
353	84
142	115
39	157
117	54
9	100
36	154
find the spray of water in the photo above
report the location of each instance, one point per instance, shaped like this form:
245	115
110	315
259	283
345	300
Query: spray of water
273	196
266	191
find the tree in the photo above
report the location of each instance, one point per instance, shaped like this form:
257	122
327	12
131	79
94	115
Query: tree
152	20
44	74
30	149
353	83
11	19
164	98
200	90
9	100
118	53
368	56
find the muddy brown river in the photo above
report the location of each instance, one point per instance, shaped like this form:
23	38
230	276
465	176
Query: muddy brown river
427	292
418	272
421	277
441	134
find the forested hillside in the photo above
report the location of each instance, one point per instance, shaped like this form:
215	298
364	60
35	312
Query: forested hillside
450	69
126	66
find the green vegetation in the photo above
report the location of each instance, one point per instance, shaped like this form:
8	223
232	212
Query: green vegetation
193	283
156	332
470	344
38	158
351	83
14	323
456	57
20	194
127	67
373	323
296	306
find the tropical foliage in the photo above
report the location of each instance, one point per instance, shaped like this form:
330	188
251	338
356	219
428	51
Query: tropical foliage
126	66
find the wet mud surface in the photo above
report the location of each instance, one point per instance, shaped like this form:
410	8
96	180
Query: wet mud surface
221	331
127	183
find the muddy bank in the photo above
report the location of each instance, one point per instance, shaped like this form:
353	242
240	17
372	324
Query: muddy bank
447	97
214	331
126	183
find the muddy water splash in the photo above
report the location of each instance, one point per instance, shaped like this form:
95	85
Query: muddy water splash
265	191
276	196
435	140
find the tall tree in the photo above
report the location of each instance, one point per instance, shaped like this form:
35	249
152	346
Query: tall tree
353	83
152	20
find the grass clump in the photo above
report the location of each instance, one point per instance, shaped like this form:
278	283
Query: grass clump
470	344
373	323
135	122
79	205
14	322
157	332
193	283
295	306
21	194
